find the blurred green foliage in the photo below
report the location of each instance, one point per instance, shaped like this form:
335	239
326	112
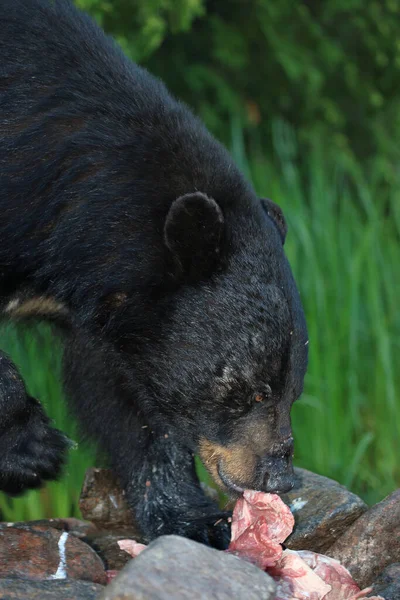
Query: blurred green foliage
141	27
330	69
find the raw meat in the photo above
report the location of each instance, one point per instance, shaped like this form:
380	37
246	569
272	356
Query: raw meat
258	529
131	547
260	523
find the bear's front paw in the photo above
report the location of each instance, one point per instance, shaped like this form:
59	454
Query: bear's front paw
31	452
211	528
216	533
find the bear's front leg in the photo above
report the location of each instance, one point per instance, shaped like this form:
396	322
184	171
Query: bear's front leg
31	450
167	498
154	467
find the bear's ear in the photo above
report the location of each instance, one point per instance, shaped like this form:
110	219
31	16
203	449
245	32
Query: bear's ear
193	233
276	214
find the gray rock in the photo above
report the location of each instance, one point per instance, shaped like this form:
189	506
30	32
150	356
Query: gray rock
178	568
17	589
372	543
323	510
387	584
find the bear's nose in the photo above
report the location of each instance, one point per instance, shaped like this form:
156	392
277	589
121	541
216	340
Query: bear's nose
278	478
278	475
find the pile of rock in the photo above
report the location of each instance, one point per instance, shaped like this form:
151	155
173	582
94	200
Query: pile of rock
67	559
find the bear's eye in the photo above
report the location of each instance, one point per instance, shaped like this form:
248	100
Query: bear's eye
264	395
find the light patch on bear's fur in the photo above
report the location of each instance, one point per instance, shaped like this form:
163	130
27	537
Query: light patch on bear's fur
257	340
117	299
32	307
228	377
238	462
231	376
225	382
12	305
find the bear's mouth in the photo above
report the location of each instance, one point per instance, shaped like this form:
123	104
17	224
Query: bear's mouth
228	483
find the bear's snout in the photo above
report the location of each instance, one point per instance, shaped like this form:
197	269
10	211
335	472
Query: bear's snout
237	467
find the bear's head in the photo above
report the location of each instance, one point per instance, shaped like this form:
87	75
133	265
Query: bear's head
234	346
231	352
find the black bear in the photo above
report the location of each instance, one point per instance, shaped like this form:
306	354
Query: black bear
126	223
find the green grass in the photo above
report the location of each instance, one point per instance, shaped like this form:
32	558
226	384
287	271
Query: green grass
344	248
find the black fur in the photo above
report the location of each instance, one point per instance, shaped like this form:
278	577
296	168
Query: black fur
179	303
